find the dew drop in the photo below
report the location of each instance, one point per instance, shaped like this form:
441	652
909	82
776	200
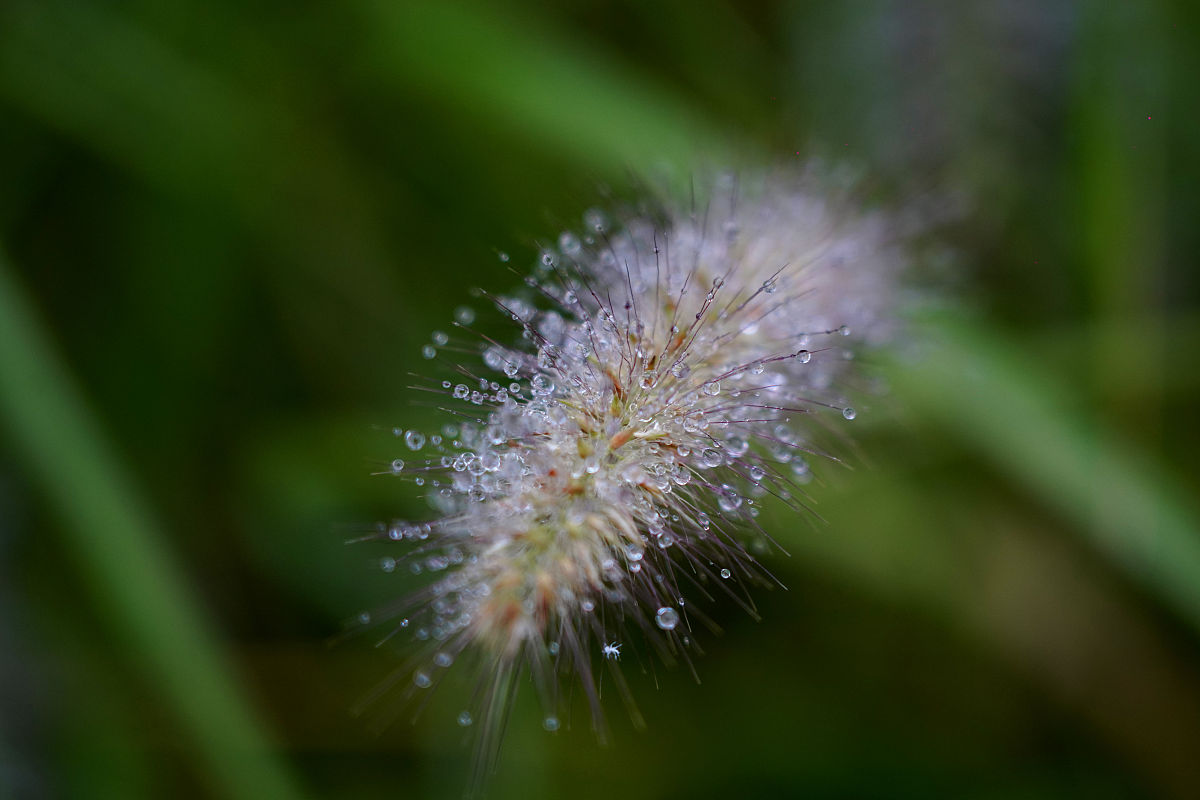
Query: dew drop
729	502
464	719
849	413
422	680
397	465
429	352
415	440
464	315
440	338
550	724
712	388
844	330
502	256
736	446
387	564
803	356
666	618
595	219
569	244
725	574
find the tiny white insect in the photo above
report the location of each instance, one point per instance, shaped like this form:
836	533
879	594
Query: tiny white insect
612	650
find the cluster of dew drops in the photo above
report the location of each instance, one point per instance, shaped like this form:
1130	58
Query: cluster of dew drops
452	451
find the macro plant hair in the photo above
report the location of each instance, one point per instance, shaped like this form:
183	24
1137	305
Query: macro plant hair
673	368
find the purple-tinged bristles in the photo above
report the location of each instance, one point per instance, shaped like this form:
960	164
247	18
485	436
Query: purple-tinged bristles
673	372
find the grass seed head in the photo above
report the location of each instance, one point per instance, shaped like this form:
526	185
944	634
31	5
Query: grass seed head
673	371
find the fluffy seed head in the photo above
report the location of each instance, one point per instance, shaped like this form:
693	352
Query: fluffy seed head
674	370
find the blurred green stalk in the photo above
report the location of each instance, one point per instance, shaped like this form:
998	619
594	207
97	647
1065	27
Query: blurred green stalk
119	549
1030	426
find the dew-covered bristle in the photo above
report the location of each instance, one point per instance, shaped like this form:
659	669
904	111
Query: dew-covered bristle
598	481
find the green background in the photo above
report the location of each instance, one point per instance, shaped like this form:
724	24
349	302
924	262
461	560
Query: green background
227	229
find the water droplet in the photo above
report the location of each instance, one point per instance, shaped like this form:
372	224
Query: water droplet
844	330
803	356
680	370
666	618
415	440
464	315
712	388
736	446
648	379
502	256
364	618
443	659
464	719
397	465
711	458
849	413
595	219
429	352
569	244
440	338
387	564
729	502
550	724
422	680
725	574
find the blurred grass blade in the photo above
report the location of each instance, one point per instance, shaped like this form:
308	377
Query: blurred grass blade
189	128
536	82
1128	506
119	550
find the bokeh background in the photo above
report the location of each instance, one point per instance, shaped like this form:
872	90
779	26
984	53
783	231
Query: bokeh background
228	228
